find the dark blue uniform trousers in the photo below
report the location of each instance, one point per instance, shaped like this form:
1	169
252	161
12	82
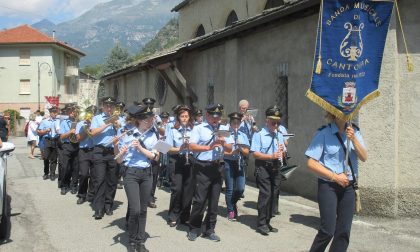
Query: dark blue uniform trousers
336	208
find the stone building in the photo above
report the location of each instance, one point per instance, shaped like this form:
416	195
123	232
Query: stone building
263	51
34	65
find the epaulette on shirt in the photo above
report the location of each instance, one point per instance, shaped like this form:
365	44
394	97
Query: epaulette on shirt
322	127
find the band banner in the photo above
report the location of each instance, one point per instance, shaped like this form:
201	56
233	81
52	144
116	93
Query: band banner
348	56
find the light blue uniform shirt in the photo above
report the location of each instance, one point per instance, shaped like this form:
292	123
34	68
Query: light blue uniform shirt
133	157
201	135
122	121
65	126
106	135
241	139
326	148
262	141
174	137
52	124
246	128
87	142
283	130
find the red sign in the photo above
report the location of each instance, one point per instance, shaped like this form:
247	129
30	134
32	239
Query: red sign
53	100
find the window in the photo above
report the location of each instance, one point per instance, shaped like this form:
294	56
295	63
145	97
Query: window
25	57
200	31
25	87
273	4
232	18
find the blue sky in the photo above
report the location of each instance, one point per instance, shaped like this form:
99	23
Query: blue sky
17	12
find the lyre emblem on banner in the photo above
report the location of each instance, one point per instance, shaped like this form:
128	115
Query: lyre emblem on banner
352	45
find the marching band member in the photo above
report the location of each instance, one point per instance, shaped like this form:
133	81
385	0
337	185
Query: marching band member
86	189
135	153
150	102
105	168
49	129
198	117
234	166
208	167
336	195
182	178
68	157
267	149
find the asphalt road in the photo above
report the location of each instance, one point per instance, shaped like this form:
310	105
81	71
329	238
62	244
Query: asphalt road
44	220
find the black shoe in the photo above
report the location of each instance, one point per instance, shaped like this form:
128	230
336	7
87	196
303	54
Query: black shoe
192	236
172	223
141	248
73	191
152	205
213	237
242	196
264	230
109	211
81	200
63	191
272	229
99	214
131	247
52	177
45	177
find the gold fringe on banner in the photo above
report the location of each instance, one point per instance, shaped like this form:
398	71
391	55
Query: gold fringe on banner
336	112
410	65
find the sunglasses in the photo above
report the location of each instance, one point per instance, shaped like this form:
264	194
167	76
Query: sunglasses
274	123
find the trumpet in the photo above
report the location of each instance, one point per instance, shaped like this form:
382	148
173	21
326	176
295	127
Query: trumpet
114	118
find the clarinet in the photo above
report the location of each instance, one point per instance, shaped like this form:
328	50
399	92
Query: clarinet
186	141
120	154
278	147
237	146
221	160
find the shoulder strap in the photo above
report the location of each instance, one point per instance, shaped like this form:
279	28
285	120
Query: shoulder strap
355	185
211	139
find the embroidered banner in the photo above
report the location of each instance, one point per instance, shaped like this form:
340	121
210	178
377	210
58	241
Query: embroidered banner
348	57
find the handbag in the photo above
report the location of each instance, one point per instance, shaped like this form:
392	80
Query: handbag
355	184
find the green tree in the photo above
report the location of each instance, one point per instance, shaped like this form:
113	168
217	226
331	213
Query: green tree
94	70
117	58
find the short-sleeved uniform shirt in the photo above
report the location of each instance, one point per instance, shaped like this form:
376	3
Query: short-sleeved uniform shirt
87	142
266	142
106	135
174	137
52	124
238	138
133	157
202	135
326	149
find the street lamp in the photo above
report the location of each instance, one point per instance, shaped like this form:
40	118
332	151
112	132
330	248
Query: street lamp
39	81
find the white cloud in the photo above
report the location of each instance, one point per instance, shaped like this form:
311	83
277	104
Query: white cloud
45	8
25	8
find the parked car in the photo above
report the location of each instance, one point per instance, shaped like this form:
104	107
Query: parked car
5	224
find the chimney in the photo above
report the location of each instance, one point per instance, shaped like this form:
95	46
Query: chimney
54	34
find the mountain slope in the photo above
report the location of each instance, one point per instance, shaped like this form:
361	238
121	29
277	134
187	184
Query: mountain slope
131	23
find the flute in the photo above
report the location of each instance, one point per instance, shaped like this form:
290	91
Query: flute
120	136
120	154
